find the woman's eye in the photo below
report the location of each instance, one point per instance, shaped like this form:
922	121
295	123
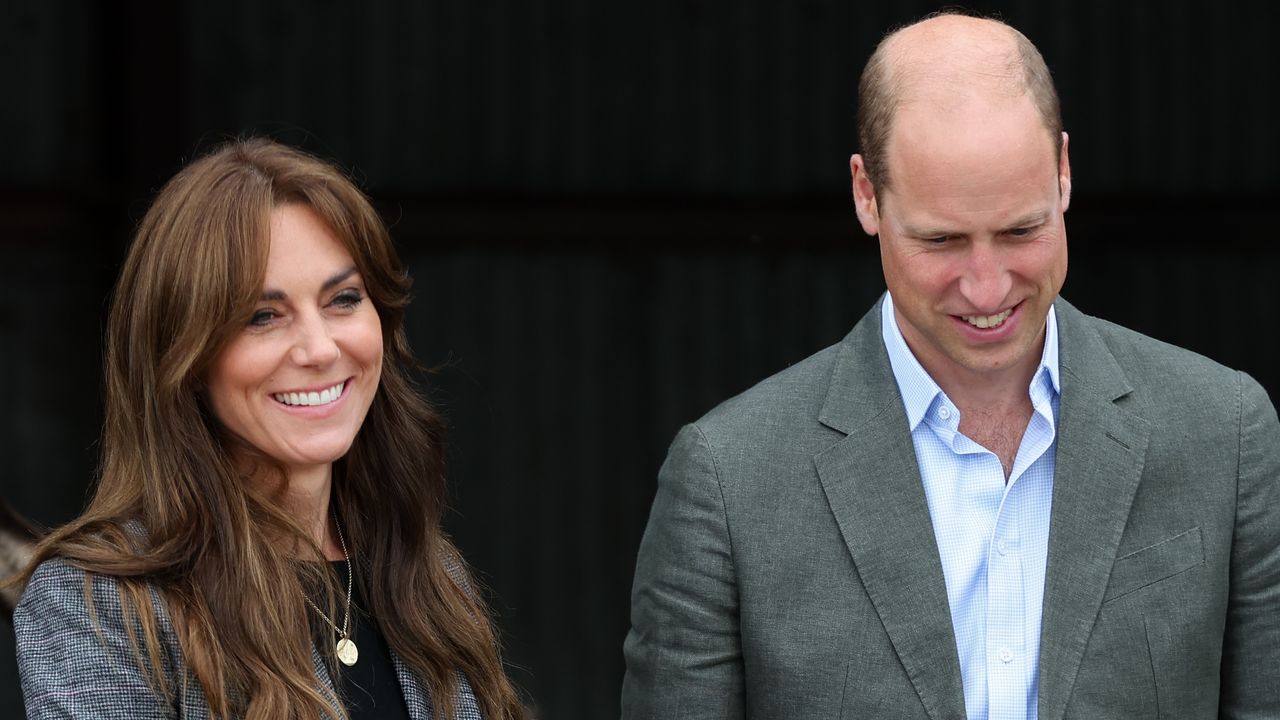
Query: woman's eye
348	299
262	317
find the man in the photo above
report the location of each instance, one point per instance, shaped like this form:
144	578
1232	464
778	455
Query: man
982	503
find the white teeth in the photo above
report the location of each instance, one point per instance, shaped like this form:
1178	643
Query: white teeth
324	397
988	321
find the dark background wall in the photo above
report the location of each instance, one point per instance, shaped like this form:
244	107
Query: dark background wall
617	214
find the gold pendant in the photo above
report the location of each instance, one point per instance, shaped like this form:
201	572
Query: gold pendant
347	652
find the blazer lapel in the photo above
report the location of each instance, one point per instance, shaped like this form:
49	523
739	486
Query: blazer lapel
873	485
418	697
1100	455
415	695
322	671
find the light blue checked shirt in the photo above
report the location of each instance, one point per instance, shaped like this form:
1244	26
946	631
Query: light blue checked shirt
993	536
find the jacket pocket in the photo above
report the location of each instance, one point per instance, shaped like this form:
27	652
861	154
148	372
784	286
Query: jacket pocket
1154	563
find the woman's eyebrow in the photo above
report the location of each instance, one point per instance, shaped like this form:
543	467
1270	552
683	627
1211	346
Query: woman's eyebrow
338	278
270	295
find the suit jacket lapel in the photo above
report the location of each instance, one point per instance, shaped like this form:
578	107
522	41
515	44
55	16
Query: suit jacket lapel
418	697
873	485
322	669
1100	456
415	695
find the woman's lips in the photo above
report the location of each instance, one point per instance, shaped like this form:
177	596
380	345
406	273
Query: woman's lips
313	398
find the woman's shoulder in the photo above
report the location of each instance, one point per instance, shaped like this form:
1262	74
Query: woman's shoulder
63	581
73	639
57	584
67	600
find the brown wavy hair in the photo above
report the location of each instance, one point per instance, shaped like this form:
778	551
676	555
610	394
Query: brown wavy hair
172	511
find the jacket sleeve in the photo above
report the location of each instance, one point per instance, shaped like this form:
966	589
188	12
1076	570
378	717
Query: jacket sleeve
1251	642
78	664
683	653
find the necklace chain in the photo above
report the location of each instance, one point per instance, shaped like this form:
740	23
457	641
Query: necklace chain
343	631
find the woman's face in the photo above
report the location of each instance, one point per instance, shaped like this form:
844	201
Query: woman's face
297	381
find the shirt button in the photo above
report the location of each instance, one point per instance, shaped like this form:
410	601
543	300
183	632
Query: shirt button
1003	547
944	412
1006	655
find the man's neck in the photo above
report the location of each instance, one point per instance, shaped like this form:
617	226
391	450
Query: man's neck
986	391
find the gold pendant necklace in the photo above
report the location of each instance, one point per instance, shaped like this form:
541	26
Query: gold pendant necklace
345	649
348	653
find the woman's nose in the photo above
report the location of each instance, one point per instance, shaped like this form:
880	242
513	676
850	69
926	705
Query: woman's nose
315	345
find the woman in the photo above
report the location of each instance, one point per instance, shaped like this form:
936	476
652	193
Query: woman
260	418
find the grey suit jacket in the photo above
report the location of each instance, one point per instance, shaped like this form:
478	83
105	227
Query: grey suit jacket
789	568
72	668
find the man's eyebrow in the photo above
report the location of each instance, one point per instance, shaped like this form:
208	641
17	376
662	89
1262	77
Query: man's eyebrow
270	295
1032	219
1038	217
924	232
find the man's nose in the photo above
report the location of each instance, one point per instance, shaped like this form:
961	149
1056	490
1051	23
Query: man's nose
986	280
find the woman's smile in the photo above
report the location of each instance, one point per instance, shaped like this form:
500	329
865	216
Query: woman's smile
296	383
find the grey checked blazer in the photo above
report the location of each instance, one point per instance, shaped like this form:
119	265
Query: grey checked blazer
789	569
70	669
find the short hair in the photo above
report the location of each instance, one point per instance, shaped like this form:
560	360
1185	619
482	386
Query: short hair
879	90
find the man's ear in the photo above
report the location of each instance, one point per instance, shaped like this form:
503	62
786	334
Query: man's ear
1064	175
864	197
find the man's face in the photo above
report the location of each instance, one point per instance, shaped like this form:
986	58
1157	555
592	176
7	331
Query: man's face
972	238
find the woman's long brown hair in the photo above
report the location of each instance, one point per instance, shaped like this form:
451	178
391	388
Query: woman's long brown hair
171	511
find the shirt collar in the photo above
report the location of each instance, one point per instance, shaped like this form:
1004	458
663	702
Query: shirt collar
919	390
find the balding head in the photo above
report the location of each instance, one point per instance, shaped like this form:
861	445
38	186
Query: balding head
949	63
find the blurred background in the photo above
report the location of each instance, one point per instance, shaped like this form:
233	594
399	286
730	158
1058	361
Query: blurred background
617	214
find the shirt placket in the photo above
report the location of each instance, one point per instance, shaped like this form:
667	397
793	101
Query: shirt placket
1005	616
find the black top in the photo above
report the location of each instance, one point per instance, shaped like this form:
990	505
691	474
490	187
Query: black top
370	688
